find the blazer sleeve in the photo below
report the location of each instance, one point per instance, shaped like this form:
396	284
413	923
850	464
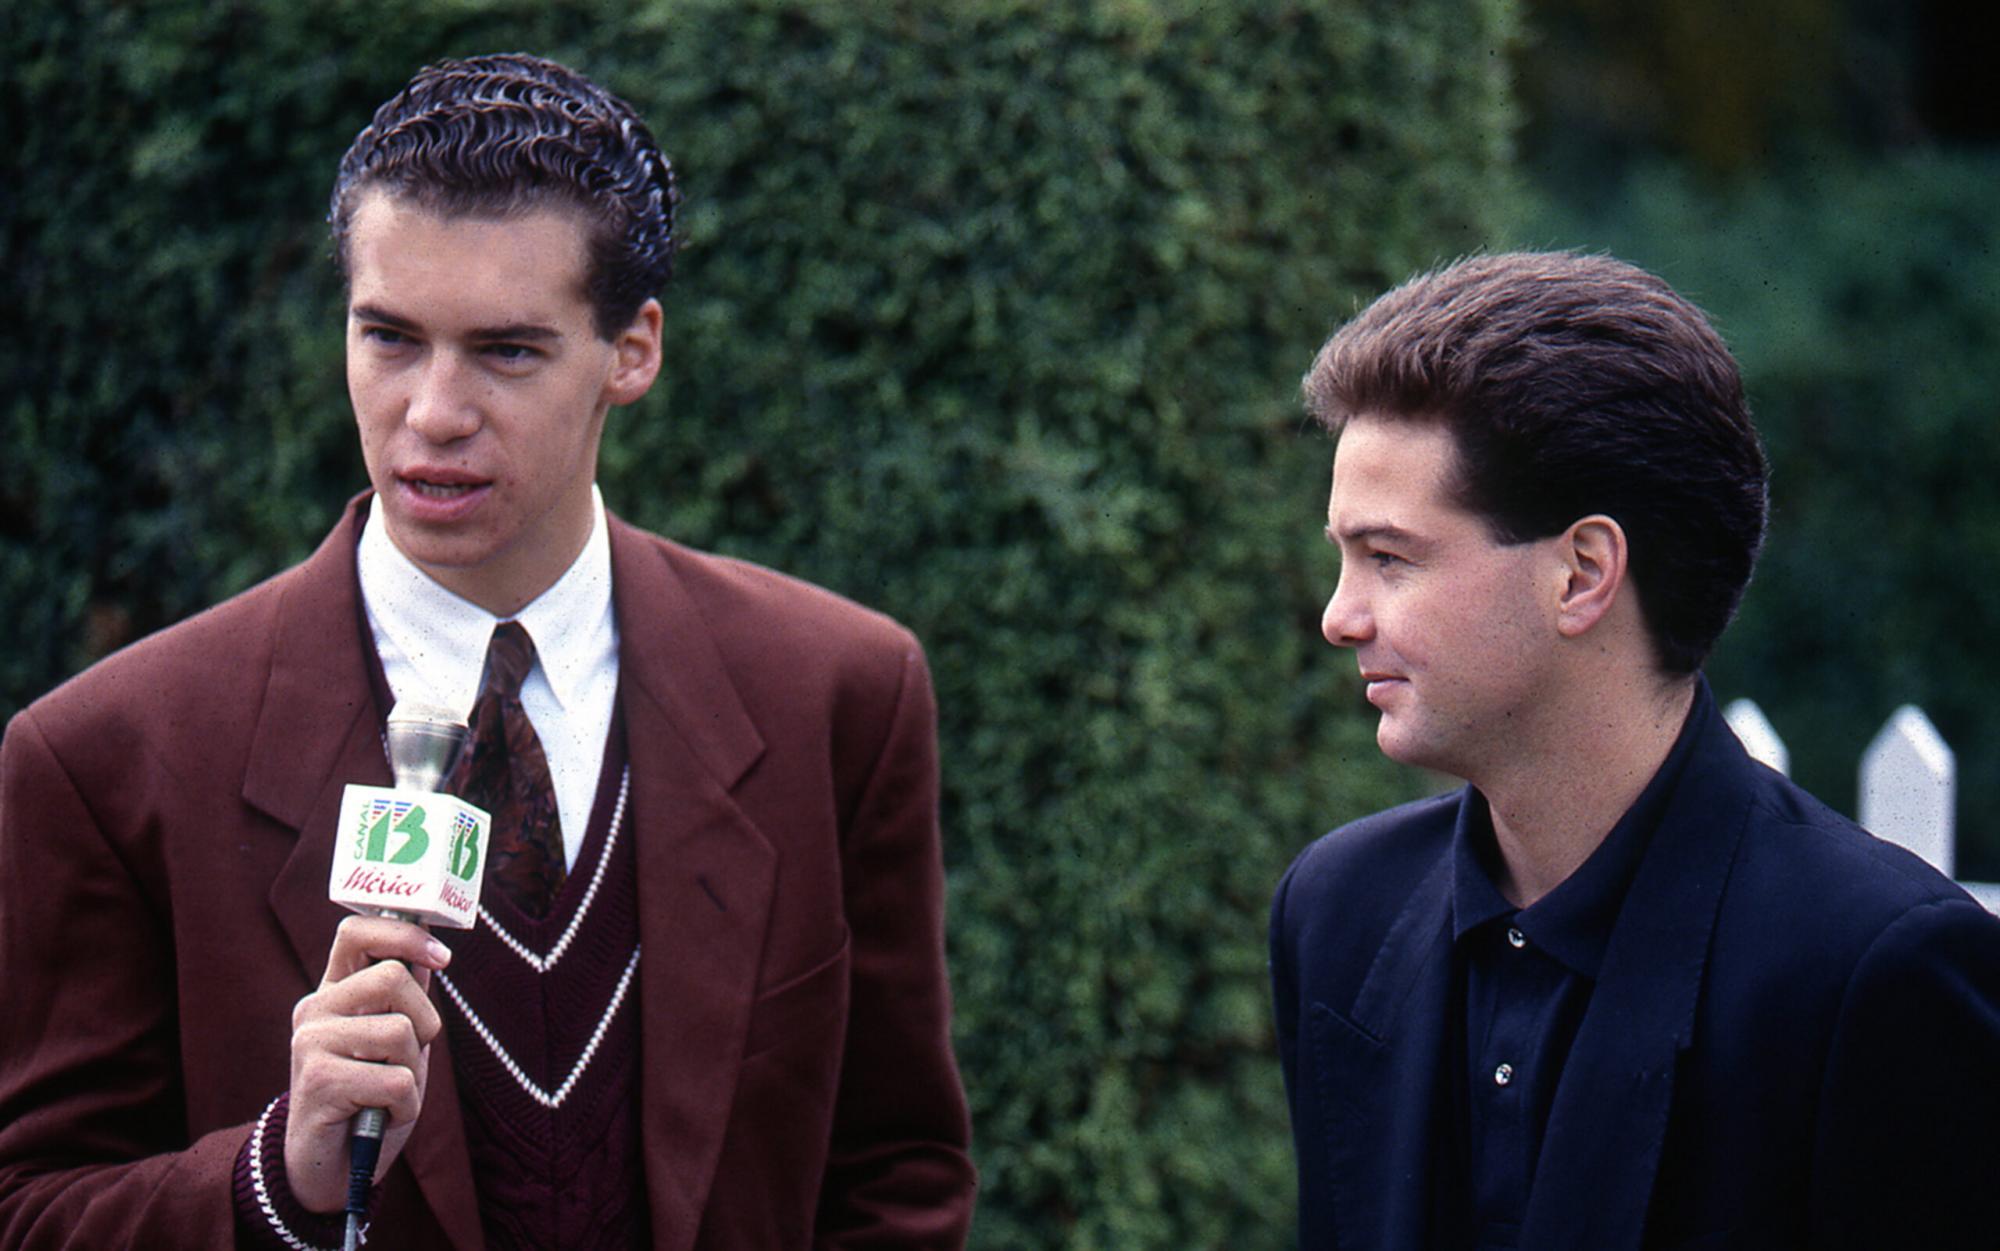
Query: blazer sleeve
898	1173
93	1141
1908	1144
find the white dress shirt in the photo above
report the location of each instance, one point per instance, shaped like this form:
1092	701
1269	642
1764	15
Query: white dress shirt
433	646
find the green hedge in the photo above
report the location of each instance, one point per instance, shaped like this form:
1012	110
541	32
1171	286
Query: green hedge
991	316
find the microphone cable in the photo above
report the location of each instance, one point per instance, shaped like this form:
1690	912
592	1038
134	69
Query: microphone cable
364	1148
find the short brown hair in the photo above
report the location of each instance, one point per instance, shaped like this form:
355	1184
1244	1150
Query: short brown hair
1574	385
498	135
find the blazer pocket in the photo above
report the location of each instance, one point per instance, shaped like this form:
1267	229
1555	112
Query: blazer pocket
1341	1051
803	1004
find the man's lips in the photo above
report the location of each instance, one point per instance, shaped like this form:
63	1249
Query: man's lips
434	493
439	483
437	490
1378	683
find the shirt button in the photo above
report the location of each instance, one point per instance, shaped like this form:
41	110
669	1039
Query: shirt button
1515	938
1503	1075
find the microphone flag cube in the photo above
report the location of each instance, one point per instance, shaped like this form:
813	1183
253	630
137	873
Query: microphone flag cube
420	853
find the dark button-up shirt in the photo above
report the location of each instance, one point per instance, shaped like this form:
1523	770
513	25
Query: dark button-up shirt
1522	983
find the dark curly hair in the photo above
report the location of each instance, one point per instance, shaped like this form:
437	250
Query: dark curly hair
504	134
1574	385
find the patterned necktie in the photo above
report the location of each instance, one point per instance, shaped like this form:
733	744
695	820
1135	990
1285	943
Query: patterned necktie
506	773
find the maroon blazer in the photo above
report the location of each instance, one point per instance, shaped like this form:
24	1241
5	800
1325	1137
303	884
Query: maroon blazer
166	824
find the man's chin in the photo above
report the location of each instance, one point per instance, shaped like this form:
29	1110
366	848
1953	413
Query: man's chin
435	547
1401	743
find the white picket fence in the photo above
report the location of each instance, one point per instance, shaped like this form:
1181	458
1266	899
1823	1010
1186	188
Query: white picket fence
1908	784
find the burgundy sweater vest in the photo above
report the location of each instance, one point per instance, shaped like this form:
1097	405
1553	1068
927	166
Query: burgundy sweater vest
543	1018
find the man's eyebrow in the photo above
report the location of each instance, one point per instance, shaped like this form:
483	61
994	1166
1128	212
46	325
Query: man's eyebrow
518	330
369	312
1370	533
514	332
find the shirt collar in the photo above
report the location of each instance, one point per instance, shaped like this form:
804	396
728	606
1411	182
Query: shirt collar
572	622
1573	922
442	636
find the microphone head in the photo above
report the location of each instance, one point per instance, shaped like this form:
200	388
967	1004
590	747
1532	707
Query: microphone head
424	739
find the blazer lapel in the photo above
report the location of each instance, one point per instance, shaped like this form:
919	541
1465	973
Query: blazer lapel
706	876
317	732
1601	1151
1381	1119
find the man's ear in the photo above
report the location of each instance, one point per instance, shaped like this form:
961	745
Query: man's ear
1595	557
637	356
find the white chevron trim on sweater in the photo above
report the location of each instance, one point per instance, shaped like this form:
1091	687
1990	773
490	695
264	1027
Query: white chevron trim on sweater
543	963
535	1092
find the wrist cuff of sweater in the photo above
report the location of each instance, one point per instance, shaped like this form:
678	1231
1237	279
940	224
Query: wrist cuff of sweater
268	1214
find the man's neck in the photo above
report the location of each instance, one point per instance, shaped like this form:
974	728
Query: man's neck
1551	813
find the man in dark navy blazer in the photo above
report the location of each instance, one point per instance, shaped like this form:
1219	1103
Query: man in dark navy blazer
1626	988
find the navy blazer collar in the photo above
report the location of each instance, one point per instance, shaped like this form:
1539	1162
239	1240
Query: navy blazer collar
1573	922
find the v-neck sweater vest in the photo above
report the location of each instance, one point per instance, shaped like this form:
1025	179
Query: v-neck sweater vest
543	1018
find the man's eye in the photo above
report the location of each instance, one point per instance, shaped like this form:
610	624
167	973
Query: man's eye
384	336
510	353
1385	559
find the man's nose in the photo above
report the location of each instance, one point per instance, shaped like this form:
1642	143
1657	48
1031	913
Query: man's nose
444	405
1346	621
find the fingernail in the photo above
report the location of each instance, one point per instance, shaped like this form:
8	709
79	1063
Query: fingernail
439	953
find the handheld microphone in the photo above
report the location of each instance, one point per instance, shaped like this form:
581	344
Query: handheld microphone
413	853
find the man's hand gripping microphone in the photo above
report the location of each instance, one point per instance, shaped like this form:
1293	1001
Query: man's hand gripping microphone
412	853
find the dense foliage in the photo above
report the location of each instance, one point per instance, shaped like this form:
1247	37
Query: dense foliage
991	316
